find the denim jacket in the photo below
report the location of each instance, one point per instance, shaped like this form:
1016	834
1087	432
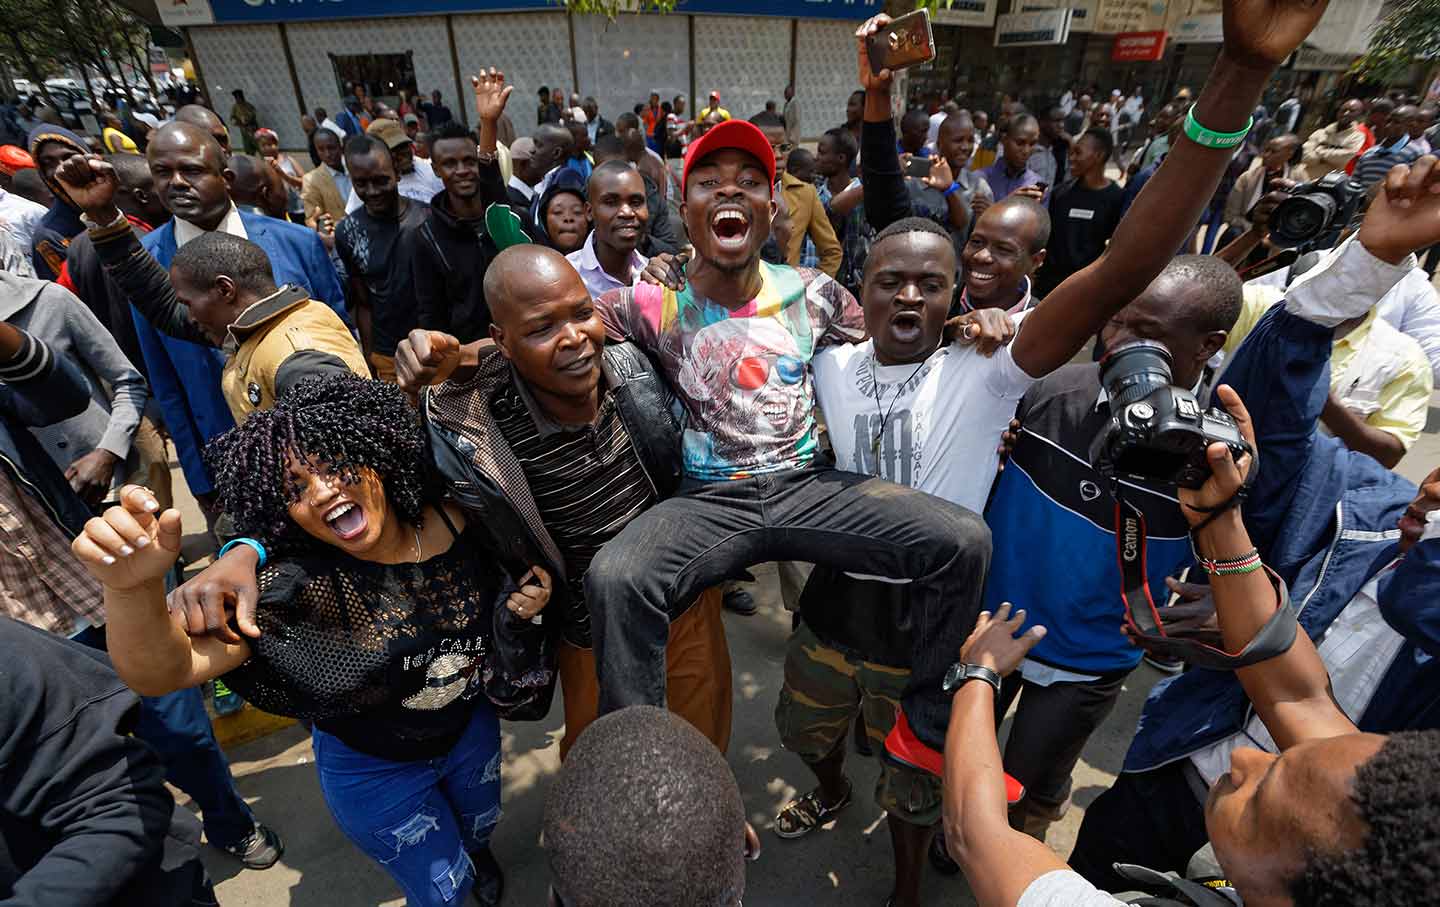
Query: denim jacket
1323	517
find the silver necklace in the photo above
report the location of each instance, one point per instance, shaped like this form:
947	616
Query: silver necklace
885	419
418	549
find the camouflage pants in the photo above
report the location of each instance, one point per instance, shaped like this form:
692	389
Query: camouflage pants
824	691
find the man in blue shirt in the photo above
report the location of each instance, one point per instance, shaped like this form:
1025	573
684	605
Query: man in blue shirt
188	169
1011	171
1392	146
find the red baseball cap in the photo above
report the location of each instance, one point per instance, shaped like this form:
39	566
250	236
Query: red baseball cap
742	135
13	159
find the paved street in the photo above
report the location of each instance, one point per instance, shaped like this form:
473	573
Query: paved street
848	864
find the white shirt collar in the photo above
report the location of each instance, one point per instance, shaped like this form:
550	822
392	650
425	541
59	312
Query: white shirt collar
231	223
596	278
1026	301
522	187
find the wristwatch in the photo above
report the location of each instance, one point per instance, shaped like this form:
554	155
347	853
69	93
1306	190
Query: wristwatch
960	672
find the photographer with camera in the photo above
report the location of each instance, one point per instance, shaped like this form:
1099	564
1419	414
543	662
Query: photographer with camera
1052	507
1337	816
1359	548
1384	362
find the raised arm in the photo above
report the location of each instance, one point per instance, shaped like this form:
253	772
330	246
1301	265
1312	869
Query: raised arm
886	199
1290	692
36	387
129	550
491	94
1259	34
91	184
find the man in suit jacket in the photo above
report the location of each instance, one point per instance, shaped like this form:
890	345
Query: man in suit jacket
595	124
325	189
188	168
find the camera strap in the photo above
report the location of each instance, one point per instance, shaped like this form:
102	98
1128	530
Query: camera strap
1142	615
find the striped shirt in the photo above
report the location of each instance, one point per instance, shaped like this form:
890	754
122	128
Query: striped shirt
588	483
1375	163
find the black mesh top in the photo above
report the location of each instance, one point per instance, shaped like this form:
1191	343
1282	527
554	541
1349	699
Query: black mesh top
387	657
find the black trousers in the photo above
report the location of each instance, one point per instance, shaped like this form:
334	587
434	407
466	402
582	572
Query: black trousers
711	531
1051	727
1152	818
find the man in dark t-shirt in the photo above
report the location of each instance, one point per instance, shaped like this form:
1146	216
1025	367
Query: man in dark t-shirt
374	243
1084	212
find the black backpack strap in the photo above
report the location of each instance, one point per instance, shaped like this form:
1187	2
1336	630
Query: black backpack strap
1171	890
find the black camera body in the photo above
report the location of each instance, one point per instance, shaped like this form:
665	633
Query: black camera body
1317	212
1157	432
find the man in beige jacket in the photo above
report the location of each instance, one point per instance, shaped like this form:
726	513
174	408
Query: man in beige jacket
1332	147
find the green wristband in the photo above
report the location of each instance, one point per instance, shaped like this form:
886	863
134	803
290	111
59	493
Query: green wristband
1209	138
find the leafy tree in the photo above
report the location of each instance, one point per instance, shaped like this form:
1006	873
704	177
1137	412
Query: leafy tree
90	36
1407	33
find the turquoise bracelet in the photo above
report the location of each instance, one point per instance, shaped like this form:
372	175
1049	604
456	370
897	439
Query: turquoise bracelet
1209	138
259	548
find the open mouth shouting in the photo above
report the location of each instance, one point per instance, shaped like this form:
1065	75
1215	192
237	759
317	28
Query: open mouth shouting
347	520
907	326
731	228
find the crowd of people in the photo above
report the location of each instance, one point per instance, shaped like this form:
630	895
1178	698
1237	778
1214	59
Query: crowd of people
473	415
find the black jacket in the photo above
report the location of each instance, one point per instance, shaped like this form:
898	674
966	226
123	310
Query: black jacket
85	818
449	260
484	477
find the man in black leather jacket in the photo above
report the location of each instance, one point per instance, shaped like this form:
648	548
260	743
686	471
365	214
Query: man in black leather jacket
555	442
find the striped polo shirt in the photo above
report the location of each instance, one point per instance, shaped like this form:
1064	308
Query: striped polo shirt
587	481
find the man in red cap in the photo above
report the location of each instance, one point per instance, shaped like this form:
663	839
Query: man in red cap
18	215
735	344
714	108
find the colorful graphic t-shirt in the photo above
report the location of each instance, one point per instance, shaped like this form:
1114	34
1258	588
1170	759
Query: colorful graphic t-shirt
742	375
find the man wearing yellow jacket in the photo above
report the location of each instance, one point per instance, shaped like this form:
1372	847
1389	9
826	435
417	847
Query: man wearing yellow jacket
220	292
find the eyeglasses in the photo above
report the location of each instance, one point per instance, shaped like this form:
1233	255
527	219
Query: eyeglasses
783	147
753	372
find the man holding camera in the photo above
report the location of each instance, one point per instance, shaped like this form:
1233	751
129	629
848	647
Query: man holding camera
1052	507
1357	545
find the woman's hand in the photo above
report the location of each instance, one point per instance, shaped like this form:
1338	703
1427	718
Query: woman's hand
204	603
994	645
533	595
1227	475
130	546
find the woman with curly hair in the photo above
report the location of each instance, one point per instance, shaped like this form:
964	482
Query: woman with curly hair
377	622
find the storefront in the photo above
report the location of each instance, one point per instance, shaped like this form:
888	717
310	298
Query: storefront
290	56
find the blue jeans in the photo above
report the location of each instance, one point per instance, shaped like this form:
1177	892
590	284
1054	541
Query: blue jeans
419	820
178	727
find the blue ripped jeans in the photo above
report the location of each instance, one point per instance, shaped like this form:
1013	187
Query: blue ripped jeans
419	820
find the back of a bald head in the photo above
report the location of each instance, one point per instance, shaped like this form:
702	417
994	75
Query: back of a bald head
131	169
524	274
185	137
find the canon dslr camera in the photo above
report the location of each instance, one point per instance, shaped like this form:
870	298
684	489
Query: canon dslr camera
1316	213
1157	432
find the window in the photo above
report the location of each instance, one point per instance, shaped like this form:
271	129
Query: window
383	76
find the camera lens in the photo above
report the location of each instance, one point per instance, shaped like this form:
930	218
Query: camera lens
1301	218
1131	371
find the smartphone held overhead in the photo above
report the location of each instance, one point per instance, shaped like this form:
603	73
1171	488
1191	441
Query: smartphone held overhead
905	42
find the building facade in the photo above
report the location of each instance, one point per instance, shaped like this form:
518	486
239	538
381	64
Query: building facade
290	56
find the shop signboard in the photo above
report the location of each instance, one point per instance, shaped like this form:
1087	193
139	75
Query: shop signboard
1048	26
971	13
1138	47
1207	28
1119	16
205	12
1082	12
